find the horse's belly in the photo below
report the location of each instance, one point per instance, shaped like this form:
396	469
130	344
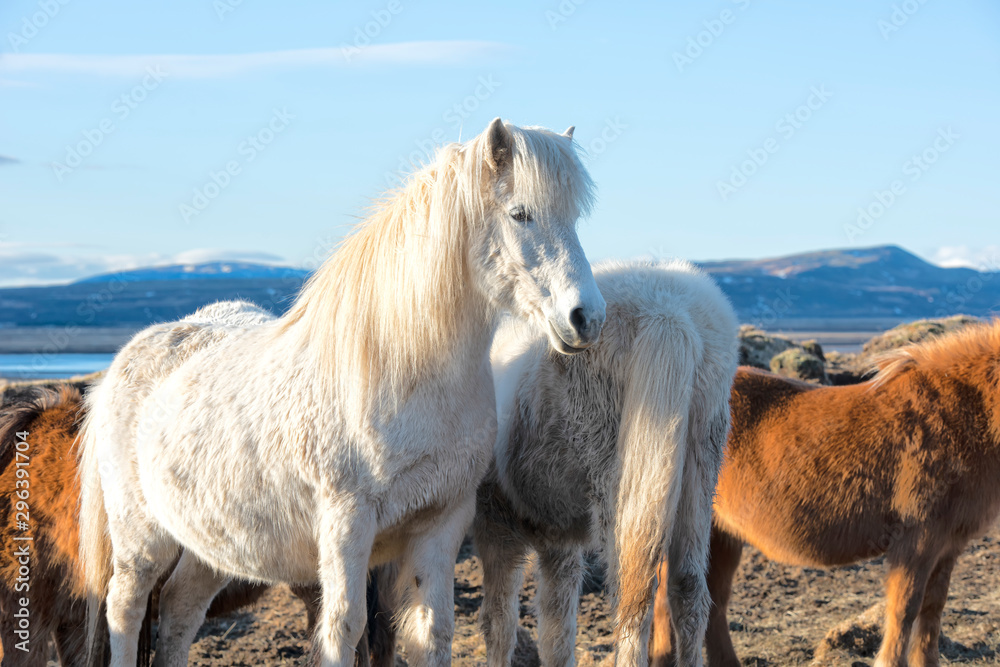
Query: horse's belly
816	541
552	508
260	531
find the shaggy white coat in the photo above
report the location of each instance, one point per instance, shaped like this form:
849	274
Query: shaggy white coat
617	448
350	432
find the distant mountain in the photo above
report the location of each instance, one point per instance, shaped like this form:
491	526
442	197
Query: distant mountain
137	298
885	282
880	282
889	262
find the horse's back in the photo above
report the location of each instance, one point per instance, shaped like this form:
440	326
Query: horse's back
156	352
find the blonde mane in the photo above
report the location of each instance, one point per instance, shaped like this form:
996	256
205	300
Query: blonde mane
976	342
397	293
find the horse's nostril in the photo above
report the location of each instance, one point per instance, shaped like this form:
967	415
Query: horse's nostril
577	319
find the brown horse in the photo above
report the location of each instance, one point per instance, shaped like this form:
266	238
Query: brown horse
48	419
44	570
905	465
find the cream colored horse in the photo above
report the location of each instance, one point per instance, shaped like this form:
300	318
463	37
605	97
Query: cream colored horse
617	448
352	431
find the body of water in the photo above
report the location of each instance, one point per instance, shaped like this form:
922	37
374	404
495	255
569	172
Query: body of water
54	366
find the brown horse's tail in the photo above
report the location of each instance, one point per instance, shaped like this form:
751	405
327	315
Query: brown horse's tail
651	449
95	539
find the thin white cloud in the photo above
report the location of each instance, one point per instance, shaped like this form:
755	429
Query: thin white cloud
48	268
221	65
203	255
986	258
10	83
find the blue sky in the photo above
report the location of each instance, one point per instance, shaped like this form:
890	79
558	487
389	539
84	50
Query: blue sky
731	128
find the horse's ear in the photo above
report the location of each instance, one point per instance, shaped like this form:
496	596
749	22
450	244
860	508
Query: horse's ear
569	132
498	145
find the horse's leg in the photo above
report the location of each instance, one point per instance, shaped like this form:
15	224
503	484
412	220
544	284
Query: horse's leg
560	572
347	533
909	571
661	641
426	587
71	634
723	561
924	652
502	551
690	535
363	656
311	595
381	613
132	581
35	654
184	599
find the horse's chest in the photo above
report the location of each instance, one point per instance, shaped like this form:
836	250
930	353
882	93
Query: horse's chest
428	465
551	473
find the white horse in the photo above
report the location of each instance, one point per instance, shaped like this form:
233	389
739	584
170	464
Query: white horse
619	448
353	430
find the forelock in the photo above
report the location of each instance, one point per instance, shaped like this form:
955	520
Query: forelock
546	167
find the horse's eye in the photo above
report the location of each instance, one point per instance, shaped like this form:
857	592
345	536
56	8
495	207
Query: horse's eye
521	215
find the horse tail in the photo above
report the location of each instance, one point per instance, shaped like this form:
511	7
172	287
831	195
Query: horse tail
95	538
651	449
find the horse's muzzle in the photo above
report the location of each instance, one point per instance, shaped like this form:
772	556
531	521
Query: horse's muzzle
580	330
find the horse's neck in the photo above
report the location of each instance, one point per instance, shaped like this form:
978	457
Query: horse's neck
463	348
468	344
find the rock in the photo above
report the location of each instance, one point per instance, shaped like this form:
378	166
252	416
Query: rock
798	363
757	348
814	348
845	368
915	332
859	637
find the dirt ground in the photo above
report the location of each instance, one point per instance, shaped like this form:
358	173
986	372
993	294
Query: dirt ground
779	616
